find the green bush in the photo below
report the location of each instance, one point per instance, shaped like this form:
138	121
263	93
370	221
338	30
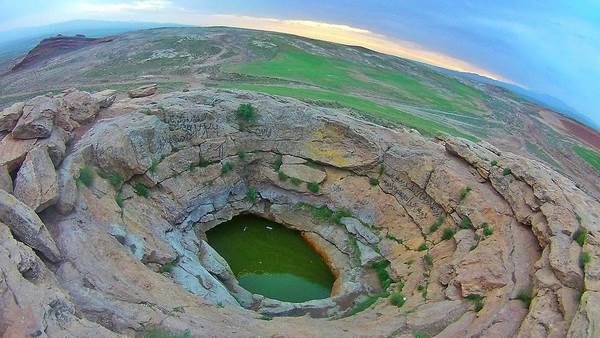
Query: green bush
380	268
282	176
115	180
278	162
419	334
252	194
246	114
436	225
296	181
119	199
494	163
154	165
487	230
580	236
525	297
398	299
374	181
465	223
313	187
142	190
448	233
464	192
473	247
242	155
381	169
86	176
428	258
226	167
477	301
506	171
585	259
157	332
422	247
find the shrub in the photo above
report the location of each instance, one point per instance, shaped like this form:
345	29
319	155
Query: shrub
115	180
142	190
366	303
242	155
119	199
398	299
381	169
477	301
473	247
448	233
338	215
465	223
157	332
380	268
580	236
313	187
436	225
464	192
265	317
296	181
506	171
428	258
494	163
252	194
419	334
374	181
282	176
168	267
278	162
525	297
422	247
585	259
226	167
86	176
154	165
246	113
487	230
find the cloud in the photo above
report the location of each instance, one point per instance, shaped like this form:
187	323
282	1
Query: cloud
140	5
351	36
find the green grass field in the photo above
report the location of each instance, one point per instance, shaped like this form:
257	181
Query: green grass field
425	126
590	156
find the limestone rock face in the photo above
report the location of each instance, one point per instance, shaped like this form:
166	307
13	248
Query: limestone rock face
27	226
143	91
303	172
36	184
37	119
9	116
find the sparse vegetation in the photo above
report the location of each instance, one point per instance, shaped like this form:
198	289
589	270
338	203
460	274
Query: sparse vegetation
422	247
278	162
157	332
169	266
494	163
398	299
226	167
242	155
115	180
436	225
141	189
585	259
419	334
381	170
465	223
374	181
119	199
428	259
506	171
487	230
324	213
154	165
367	303
464	192
382	273
296	181
282	176
448	233
525	297
590	156
86	176
252	194
477	301
246	114
313	187
265	317
580	236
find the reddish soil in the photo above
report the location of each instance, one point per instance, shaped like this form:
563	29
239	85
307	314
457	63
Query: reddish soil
55	46
587	134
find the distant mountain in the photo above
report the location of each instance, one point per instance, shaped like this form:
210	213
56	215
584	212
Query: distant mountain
19	41
546	100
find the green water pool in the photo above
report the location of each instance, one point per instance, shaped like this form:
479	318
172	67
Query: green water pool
271	260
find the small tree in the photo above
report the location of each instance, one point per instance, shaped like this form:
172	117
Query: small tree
246	114
313	186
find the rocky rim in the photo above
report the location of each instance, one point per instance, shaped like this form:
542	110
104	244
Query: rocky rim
104	202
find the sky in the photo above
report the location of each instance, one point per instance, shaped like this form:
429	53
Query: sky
551	46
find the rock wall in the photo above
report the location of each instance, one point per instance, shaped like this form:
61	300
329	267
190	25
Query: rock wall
477	241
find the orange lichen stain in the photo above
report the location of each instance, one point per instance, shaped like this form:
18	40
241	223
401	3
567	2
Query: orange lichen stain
323	145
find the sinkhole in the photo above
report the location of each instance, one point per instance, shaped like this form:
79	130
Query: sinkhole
272	260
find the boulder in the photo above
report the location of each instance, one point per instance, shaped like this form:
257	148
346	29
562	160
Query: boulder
56	145
143	91
13	151
36	184
27	226
105	98
6	183
81	106
37	120
10	116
